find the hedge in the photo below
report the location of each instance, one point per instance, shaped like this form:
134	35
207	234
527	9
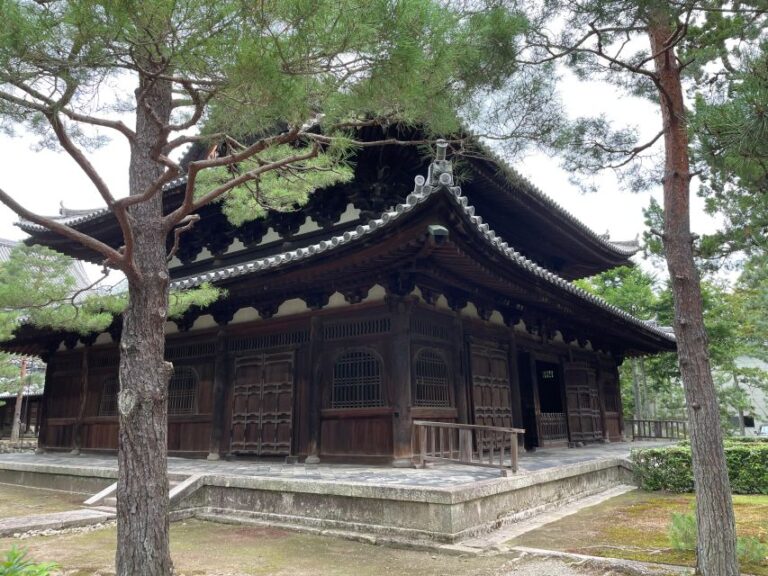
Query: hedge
670	468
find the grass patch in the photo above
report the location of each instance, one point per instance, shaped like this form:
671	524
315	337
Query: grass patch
22	501
634	526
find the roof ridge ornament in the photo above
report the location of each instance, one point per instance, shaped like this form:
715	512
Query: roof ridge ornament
440	171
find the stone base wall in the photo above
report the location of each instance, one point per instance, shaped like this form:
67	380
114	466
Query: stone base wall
412	514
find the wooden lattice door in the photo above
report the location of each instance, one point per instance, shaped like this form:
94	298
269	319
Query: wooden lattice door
490	387
583	403
262	407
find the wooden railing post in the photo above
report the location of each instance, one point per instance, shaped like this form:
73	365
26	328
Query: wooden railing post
422	446
465	445
513	452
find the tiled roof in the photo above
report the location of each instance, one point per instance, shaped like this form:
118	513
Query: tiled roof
72	217
33	390
440	181
624	248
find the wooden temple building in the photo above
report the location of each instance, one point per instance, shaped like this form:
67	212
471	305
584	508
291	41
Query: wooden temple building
378	303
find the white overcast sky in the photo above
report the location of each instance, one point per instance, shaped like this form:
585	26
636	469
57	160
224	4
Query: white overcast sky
42	179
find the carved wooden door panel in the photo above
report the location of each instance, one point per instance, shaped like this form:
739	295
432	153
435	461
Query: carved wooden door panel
490	387
583	403
262	407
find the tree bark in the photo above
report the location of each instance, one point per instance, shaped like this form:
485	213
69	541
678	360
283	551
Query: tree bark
716	545
16	426
142	490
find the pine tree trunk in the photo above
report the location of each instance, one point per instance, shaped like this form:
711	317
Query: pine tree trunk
142	492
716	546
16	426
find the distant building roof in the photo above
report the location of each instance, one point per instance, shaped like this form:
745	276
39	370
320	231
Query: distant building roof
31	390
76	268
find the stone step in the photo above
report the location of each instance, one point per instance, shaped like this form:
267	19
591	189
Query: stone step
110	502
54	521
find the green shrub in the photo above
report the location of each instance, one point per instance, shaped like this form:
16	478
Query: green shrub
16	563
746	440
751	550
682	536
682	531
670	468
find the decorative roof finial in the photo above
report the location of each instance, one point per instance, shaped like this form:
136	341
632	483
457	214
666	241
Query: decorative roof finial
441	170
442	147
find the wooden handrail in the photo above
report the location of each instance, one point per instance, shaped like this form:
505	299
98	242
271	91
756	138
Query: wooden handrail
662	429
467	426
470	444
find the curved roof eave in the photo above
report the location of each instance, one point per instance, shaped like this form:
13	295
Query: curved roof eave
422	191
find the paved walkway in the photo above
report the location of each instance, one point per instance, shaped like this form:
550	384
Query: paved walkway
442	475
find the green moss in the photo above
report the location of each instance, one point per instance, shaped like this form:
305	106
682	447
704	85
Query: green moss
634	527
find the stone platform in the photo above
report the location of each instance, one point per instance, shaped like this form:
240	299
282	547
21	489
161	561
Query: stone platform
444	503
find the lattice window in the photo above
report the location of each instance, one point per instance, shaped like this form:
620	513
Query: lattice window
357	381
612	403
432	382
193	350
339	330
267	341
108	402
106	360
182	391
425	327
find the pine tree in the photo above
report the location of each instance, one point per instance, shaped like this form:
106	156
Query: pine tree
263	76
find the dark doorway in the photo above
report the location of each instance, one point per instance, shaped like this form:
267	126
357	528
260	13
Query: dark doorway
528	400
552	418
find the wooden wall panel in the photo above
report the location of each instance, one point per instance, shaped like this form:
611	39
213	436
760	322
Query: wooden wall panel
188	435
356	436
100	435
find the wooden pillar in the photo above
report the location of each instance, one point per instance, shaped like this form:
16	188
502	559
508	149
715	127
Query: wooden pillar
400	379
27	414
462	378
77	433
315	389
536	399
220	381
42	411
514	385
601	400
618	362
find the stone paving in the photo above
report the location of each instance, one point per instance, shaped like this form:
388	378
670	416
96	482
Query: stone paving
437	476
